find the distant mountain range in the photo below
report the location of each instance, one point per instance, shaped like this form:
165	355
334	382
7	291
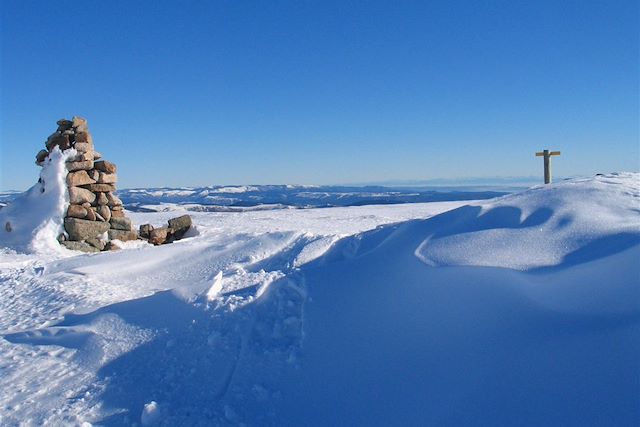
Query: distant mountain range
251	197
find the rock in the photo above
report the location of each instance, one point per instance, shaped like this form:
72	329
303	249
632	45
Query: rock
77	121
98	216
41	156
82	229
122	235
91	215
96	155
84	136
178	226
61	237
7	227
116	214
83	147
110	246
113	201
79	196
58	140
100	188
96	243
79	246
117	208
145	230
102	199
75	166
105	166
107	178
64	124
105	212
80	177
158	236
76	211
121	224
94	174
81	157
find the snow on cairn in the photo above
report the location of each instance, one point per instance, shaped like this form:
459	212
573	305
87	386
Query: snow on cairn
33	221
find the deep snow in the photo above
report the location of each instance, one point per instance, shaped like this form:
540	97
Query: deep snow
524	310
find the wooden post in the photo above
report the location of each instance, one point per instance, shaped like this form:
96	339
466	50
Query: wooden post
547	163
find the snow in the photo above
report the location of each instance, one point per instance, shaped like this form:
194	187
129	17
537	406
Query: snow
567	222
33	221
523	310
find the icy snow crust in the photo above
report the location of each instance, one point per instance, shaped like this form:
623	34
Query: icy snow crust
303	317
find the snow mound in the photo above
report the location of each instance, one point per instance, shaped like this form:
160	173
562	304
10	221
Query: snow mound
32	222
566	223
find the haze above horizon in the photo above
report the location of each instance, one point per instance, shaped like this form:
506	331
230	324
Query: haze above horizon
221	92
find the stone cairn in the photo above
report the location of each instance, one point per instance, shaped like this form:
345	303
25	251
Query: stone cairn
95	215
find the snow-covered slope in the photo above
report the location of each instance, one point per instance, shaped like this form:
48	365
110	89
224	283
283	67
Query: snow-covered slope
267	318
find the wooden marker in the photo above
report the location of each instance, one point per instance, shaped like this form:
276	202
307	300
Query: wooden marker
547	163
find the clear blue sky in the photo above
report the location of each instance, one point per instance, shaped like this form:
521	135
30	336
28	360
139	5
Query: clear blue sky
321	92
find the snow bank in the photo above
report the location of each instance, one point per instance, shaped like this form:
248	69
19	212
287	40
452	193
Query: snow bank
264	318
32	222
572	221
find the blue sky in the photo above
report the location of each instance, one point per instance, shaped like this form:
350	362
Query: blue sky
321	92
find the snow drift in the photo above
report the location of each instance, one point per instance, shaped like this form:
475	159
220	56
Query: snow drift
463	318
570	222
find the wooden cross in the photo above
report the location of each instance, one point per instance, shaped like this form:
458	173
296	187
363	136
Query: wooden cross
547	163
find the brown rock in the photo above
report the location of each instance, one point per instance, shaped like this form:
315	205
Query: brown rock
78	121
145	230
122	235
81	229
121	223
96	243
79	195
41	156
116	214
84	136
80	177
117	208
58	139
179	226
64	124
107	178
94	174
79	246
96	155
114	201
75	166
100	188
102	199
91	215
105	166
158	236
105	212
97	214
83	147
76	211
111	247
81	157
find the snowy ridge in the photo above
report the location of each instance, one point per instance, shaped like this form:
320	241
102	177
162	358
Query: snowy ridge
367	315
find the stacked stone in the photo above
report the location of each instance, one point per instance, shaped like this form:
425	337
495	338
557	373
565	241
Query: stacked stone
95	215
